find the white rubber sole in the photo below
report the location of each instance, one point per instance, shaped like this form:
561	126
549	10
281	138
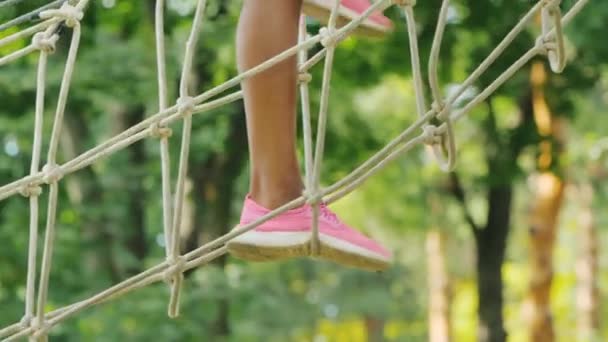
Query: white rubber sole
271	246
320	10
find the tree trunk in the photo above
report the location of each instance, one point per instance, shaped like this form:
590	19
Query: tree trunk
545	209
587	292
491	238
548	190
491	245
374	328
439	288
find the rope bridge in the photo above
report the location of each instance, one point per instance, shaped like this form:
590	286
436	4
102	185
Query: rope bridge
36	323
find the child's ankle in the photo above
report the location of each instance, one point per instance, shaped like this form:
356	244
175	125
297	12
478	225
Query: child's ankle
272	199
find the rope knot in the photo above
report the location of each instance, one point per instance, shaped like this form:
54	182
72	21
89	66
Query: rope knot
71	15
41	42
304	77
175	269
185	105
41	331
551	4
40	328
30	190
26	321
157	131
552	39
543	44
441	110
52	173
312	198
328	37
431	135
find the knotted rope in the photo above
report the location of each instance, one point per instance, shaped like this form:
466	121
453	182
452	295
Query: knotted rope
71	15
36	323
45	43
552	44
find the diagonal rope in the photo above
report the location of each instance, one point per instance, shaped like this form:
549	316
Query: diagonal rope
138	131
7	3
28	31
163	132
549	43
29	16
185	108
329	41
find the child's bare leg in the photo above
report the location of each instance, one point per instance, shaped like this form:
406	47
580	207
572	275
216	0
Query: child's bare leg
266	28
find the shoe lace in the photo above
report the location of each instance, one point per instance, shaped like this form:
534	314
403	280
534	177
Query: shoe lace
327	214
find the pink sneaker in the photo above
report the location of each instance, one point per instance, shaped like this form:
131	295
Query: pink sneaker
288	235
375	25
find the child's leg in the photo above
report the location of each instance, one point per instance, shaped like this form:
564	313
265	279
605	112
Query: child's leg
267	27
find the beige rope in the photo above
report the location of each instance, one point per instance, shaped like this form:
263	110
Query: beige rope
441	110
329	41
408	11
29	31
185	107
304	78
164	133
551	17
157	125
88	157
52	174
34	191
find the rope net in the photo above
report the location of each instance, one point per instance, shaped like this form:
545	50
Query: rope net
36	323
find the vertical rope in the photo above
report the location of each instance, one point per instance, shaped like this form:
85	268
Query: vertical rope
551	20
303	79
186	106
164	139
442	112
52	172
164	133
34	191
408	12
329	41
435	48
